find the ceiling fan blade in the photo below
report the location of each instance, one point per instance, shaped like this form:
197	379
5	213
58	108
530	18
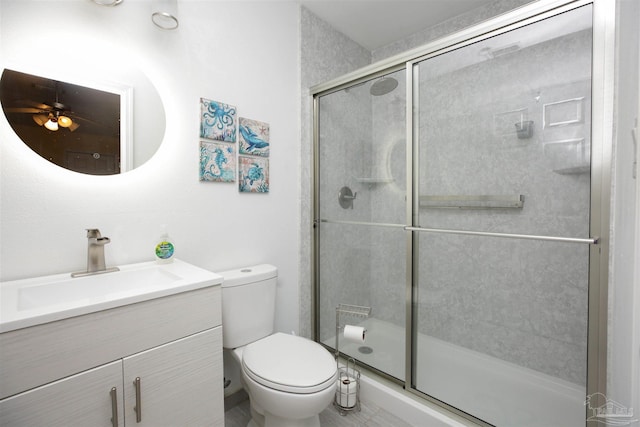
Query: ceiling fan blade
76	117
28	110
34	104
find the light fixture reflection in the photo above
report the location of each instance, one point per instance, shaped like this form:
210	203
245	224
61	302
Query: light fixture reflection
64	121
55	122
52	123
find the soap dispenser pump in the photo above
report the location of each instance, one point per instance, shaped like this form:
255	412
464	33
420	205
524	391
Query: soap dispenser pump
164	248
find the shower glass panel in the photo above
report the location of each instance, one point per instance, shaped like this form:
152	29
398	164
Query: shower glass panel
503	139
360	242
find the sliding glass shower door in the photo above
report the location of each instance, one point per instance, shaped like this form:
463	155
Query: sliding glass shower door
361	244
467	226
503	134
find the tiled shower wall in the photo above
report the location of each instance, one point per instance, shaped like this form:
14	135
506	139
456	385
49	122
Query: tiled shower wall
521	301
345	249
324	54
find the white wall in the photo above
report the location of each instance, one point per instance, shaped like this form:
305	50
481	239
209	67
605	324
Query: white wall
623	382
242	53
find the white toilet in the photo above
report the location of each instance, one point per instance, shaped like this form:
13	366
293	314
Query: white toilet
289	379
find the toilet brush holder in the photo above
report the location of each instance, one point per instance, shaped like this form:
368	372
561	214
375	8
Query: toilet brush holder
348	388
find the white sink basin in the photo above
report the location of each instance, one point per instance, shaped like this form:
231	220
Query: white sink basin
31	302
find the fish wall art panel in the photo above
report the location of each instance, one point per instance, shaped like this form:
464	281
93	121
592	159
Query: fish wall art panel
254	137
253	174
217	120
217	162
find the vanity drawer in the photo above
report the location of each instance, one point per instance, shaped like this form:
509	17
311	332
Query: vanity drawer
40	354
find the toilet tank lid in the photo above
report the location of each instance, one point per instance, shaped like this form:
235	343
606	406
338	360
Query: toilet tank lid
248	275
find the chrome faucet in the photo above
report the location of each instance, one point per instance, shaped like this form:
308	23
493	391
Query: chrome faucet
95	254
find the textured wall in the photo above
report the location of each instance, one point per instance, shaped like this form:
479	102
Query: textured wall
324	54
448	27
521	301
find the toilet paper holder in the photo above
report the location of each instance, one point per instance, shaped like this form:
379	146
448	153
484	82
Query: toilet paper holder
348	388
348	385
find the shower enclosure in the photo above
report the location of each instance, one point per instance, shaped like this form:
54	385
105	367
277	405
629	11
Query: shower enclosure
459	194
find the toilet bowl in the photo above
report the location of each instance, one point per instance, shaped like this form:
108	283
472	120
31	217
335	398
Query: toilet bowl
289	379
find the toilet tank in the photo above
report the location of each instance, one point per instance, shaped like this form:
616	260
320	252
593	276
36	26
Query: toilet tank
248	304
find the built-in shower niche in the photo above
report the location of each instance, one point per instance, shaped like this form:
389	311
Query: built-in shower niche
566	128
568	157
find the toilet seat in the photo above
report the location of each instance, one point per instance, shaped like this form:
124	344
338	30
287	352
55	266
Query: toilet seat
289	363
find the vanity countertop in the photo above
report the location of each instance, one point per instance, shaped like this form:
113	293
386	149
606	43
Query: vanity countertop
38	300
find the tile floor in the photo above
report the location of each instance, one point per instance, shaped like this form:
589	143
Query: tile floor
369	416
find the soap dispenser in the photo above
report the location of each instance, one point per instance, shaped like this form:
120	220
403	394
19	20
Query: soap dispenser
164	248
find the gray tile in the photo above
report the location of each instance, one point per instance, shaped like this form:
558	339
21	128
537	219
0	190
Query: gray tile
369	416
238	416
385	419
330	417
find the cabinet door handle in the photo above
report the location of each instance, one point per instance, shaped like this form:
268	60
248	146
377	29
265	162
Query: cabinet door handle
138	407
114	407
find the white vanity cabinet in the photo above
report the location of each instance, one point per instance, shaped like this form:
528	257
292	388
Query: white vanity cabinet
155	363
80	400
177	384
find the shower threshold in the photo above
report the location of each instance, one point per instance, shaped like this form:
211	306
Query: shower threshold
488	388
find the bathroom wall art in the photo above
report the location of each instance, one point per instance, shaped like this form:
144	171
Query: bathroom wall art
217	120
254	137
253	175
217	161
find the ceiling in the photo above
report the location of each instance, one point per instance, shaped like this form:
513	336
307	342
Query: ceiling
377	23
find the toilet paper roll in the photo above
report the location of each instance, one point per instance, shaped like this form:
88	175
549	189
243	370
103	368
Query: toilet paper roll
354	333
347	391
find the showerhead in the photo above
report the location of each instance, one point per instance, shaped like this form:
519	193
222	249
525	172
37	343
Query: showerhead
383	86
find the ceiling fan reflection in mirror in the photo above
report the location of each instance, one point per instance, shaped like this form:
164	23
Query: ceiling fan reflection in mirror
54	116
66	123
55	104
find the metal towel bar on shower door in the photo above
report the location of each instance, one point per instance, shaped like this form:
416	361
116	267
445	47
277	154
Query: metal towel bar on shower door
590	241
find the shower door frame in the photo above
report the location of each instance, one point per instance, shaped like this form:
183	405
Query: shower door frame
602	86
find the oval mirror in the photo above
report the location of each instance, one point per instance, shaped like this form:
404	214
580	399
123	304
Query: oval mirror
101	129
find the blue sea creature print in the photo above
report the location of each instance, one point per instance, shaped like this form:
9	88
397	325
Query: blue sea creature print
217	120
252	140
253	175
254	137
217	162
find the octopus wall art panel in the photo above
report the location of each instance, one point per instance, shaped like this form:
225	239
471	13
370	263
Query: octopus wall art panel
217	120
